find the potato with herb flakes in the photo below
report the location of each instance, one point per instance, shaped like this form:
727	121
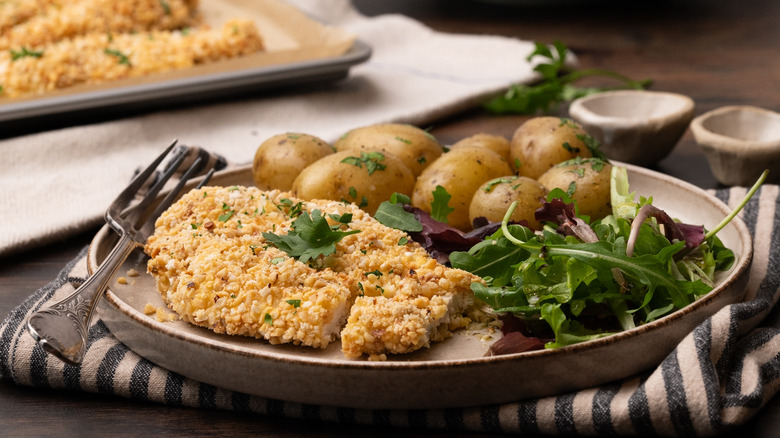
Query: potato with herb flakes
493	198
542	142
280	159
587	181
414	146
460	171
496	143
366	178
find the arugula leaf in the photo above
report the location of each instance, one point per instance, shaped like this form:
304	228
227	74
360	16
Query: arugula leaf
392	214
556	85
311	236
440	208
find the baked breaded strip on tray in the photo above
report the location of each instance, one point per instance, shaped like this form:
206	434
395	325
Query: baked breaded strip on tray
379	291
103	57
40	22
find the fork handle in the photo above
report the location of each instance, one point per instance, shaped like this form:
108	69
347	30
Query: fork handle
62	328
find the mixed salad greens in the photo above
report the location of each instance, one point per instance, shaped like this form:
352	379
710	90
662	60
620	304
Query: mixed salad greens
575	281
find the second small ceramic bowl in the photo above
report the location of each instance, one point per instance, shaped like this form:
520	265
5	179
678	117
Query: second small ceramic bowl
634	126
740	142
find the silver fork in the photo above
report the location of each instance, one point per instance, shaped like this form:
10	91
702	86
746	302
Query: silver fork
62	328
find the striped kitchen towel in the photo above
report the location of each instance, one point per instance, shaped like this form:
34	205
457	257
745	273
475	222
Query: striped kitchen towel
718	377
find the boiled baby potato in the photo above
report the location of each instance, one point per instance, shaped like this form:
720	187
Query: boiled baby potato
586	180
542	142
280	159
366	178
492	200
415	147
496	143
460	171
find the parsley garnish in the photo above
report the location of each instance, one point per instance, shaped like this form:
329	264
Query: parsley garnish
268	319
311	236
166	7
121	57
370	159
24	53
294	303
503	180
556	85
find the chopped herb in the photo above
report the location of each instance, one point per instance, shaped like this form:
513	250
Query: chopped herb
403	140
253	248
363	202
233	189
166	7
570	148
353	192
226	216
517	163
268	319
277	260
370	159
294	303
503	180
232	295
121	57
194	226
380	289
572	188
25	53
378	273
403	241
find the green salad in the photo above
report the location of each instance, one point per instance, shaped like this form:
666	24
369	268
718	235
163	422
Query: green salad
575	281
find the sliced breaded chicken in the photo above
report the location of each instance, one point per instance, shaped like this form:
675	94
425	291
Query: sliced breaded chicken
213	267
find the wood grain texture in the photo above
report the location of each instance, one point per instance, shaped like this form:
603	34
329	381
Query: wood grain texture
719	53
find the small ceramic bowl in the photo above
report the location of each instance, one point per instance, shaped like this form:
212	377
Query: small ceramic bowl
740	142
634	126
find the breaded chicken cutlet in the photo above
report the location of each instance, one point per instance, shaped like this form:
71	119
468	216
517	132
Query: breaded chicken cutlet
98	58
34	23
379	291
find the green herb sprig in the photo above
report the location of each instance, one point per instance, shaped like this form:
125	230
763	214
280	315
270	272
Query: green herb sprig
556	85
121	57
25	53
311	236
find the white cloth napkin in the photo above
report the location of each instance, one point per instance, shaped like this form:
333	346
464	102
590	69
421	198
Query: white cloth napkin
60	182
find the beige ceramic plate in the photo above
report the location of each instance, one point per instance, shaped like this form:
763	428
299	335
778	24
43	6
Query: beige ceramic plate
450	373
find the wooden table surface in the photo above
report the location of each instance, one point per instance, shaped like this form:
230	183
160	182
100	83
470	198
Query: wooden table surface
719	53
